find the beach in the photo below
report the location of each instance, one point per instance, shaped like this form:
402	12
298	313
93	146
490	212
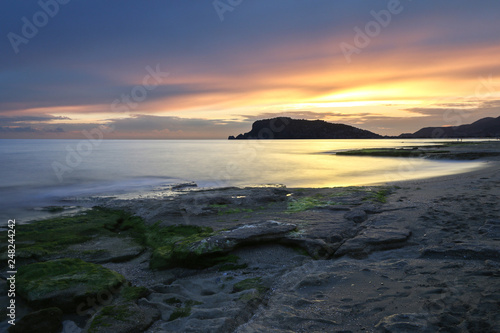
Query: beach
415	256
235	166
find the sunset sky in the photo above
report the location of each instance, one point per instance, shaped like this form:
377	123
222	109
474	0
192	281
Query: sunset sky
386	66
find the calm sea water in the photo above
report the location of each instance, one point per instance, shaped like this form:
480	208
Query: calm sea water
40	173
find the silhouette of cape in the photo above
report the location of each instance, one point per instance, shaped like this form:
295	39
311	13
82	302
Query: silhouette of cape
288	128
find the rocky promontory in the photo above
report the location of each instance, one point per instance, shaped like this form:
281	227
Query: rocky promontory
288	128
483	128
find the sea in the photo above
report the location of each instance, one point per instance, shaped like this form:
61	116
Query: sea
36	175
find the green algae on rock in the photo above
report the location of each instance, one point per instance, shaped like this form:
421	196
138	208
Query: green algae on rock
64	283
250	283
133	293
45	239
170	244
121	318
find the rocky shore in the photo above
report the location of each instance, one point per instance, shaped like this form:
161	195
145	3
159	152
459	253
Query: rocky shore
419	256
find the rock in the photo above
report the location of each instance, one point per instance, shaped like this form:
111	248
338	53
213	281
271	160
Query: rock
288	128
70	327
211	202
108	249
43	321
356	215
371	208
3	286
467	251
252	233
122	318
374	239
193	253
491	229
407	322
182	186
338	208
316	248
320	279
65	283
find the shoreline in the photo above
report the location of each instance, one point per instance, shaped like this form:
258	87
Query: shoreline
75	204
418	255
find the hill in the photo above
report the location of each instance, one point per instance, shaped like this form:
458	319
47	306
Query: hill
288	128
483	128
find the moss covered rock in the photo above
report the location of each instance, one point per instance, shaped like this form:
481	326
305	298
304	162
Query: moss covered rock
207	249
168	244
43	321
122	318
64	283
106	249
47	239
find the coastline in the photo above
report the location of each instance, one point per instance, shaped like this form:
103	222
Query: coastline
418	255
218	163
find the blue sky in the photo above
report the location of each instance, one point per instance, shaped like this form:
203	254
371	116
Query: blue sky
429	63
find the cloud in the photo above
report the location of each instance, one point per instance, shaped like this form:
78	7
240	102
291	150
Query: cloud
491	104
466	107
38	124
433	112
27	129
137	127
309	115
147	126
4	120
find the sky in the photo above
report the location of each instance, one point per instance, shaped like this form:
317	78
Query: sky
163	69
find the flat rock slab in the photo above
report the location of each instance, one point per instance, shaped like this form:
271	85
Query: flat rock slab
491	229
122	318
107	249
374	239
464	251
226	241
356	215
405	322
213	302
64	283
260	230
198	206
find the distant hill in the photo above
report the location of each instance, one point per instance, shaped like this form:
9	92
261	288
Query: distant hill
288	128
483	128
